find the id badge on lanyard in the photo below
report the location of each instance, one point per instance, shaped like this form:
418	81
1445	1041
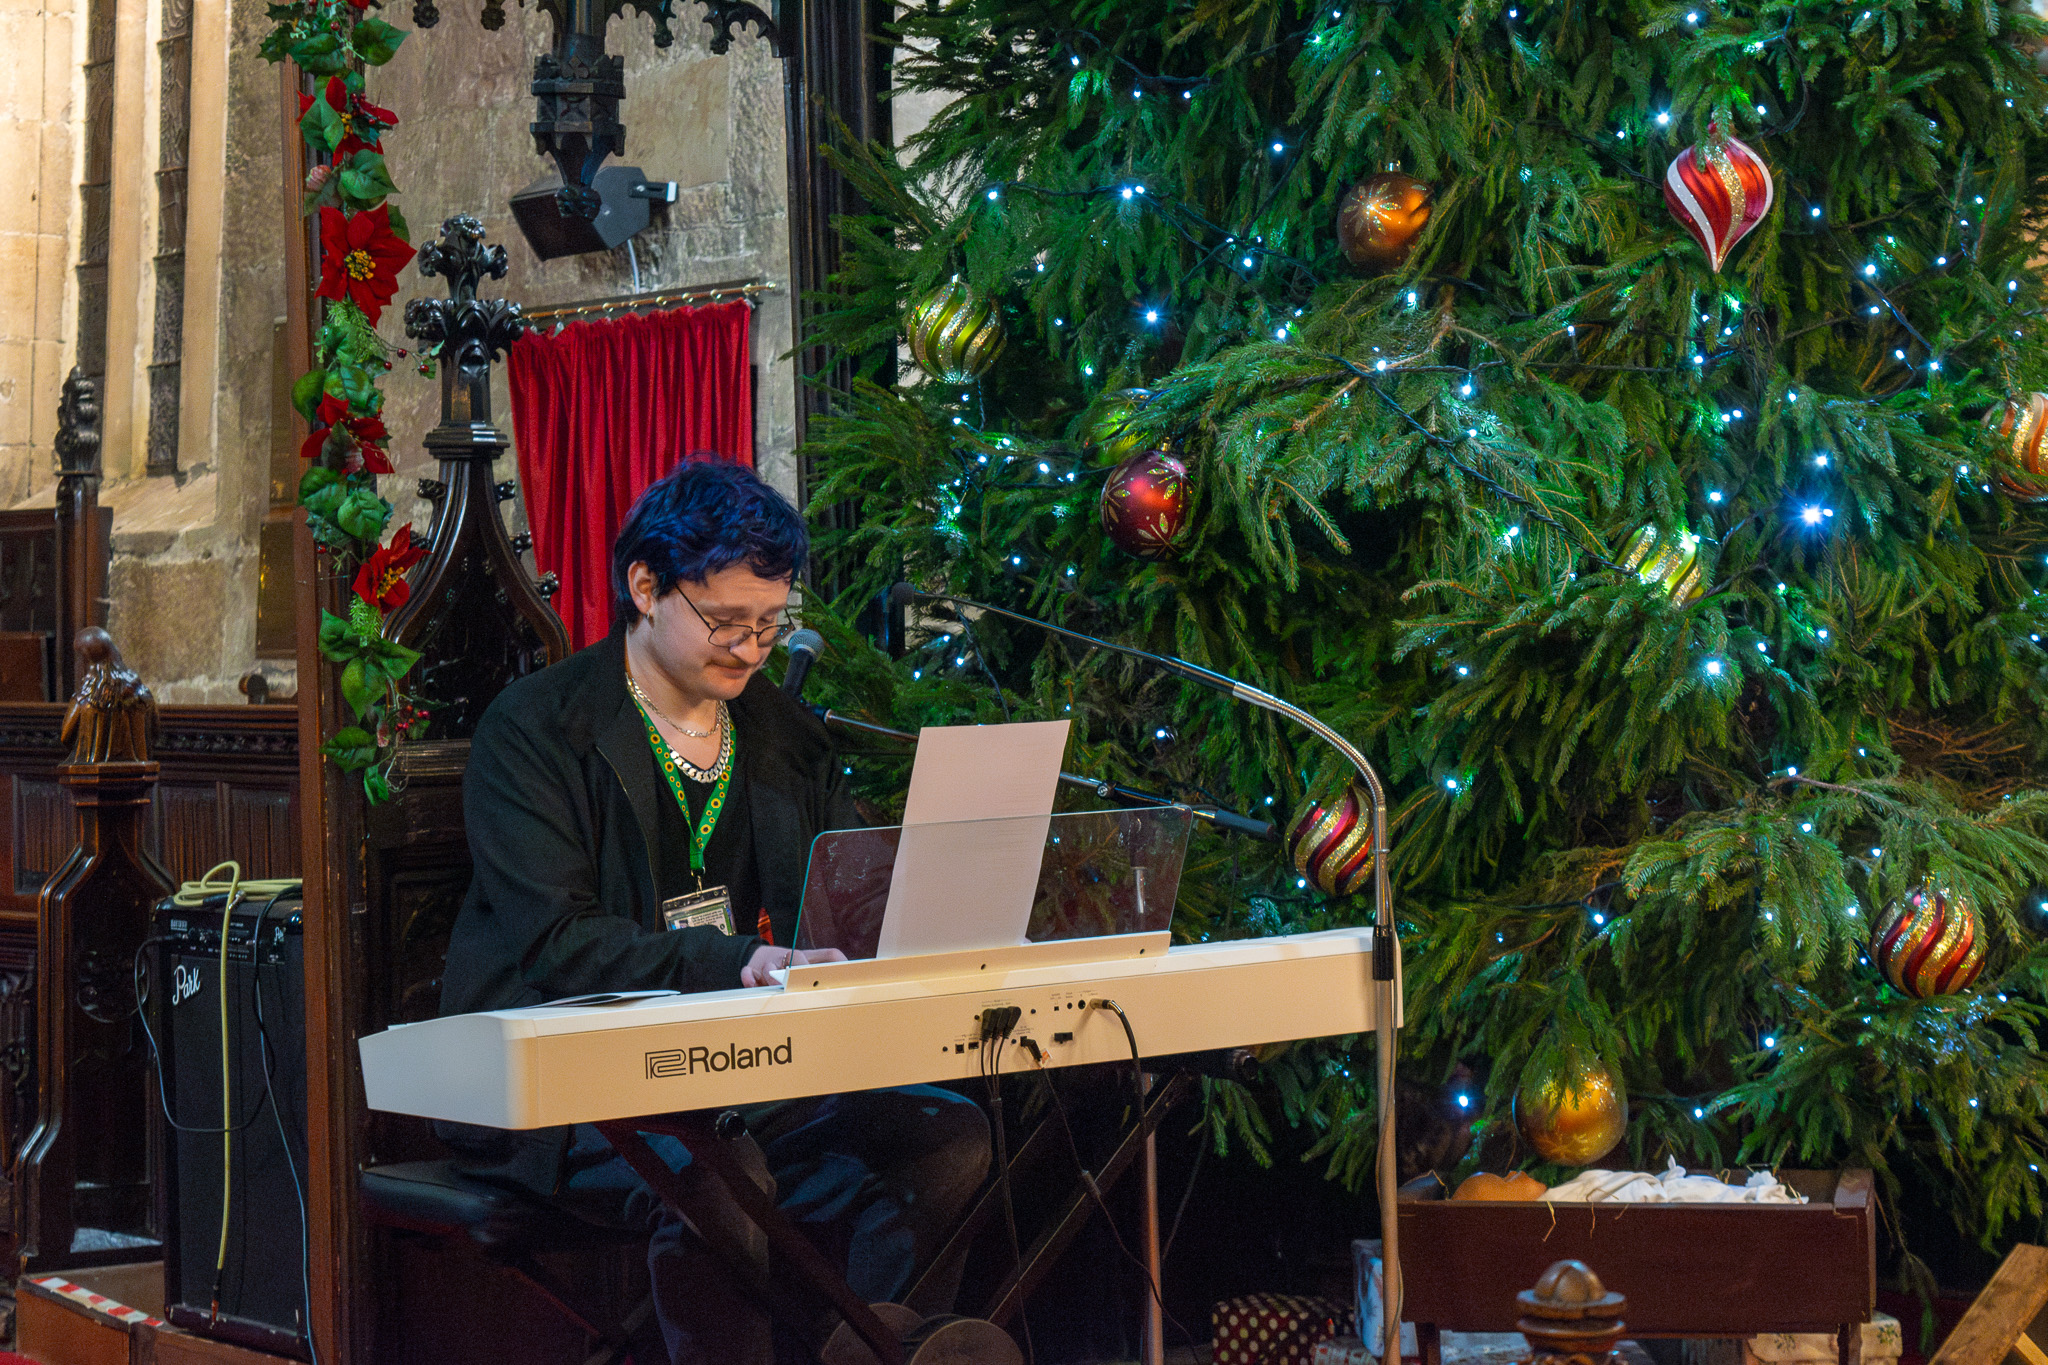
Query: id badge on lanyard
710	908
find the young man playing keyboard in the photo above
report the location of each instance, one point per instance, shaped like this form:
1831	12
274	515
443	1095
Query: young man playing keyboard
640	816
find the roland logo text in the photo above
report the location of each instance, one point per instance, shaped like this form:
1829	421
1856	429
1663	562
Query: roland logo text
690	1061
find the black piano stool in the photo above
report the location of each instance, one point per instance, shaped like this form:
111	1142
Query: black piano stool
437	1201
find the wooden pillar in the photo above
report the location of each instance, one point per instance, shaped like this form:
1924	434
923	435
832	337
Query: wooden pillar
85	1176
81	534
330	804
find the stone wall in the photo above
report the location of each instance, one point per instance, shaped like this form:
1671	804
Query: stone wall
186	568
37	101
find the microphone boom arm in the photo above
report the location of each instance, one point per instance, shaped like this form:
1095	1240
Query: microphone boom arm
1216	815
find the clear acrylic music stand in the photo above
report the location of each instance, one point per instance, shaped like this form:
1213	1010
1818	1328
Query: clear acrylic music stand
1105	880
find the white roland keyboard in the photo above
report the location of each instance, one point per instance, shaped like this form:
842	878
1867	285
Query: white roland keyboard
864	1025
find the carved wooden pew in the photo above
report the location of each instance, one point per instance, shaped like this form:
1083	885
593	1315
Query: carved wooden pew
84	1174
225	784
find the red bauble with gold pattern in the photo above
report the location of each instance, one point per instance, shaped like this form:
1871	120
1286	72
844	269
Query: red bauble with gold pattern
1380	218
1929	943
2021	468
1145	505
1330	841
1719	191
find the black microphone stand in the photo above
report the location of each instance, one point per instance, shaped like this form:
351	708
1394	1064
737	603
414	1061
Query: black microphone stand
1386	961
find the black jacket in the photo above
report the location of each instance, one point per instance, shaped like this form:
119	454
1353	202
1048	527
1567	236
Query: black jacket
560	803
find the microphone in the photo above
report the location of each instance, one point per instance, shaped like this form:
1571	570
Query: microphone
903	594
804	648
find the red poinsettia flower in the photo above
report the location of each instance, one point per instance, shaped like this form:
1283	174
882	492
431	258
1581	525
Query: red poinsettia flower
331	410
381	581
368	434
360	259
362	123
369	458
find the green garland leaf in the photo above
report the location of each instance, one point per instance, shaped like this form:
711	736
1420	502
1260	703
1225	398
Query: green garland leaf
324	55
352	748
306	391
362	514
364	181
375	41
322	126
359	686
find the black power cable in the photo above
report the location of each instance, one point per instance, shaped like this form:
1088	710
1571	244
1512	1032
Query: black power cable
1088	1177
994	1034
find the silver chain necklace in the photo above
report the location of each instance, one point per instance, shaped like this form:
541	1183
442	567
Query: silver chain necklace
717	724
722	727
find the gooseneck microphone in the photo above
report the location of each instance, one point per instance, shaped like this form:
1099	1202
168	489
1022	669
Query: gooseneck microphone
1385	951
804	648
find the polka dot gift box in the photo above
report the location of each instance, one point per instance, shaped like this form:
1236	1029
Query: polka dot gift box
1273	1329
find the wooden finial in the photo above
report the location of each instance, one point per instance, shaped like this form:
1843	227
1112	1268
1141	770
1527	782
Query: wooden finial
1570	1318
113	717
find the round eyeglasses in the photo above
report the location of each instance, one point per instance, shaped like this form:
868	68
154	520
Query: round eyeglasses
731	634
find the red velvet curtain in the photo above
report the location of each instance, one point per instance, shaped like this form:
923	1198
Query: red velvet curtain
602	409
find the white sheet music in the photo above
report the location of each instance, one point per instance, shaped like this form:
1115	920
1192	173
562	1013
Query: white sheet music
959	886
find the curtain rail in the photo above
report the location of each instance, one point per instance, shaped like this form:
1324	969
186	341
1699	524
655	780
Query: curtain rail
749	290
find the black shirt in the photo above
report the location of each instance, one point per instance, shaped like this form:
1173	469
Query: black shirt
728	858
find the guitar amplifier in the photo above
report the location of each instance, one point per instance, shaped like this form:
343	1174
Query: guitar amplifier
247	1289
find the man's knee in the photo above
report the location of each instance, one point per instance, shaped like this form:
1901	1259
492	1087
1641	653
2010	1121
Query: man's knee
957	1131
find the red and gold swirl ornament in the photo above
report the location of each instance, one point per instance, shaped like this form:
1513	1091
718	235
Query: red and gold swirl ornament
1718	191
1331	841
2022	466
1929	943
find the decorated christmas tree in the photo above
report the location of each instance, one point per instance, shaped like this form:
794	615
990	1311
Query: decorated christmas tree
1619	419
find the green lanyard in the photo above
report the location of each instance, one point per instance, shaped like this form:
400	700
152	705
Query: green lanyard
700	833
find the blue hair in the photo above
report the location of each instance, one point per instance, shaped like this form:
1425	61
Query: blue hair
704	515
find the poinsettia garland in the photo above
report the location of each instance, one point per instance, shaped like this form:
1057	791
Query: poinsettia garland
363	246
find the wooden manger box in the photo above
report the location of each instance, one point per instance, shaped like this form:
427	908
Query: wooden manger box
1688	1270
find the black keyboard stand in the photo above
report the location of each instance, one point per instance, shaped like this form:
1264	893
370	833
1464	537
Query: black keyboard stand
717	1184
1074	1211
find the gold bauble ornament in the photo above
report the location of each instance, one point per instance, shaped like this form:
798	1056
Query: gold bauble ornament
1380	218
1574	1121
954	333
2021	467
1108	431
1670	561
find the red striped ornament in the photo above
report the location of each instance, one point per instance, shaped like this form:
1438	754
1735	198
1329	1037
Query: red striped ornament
1718	191
1929	944
2019	426
1331	842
